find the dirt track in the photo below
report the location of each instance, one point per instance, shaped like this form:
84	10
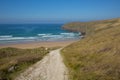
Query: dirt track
51	67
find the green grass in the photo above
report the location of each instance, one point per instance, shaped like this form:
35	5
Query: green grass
13	61
97	56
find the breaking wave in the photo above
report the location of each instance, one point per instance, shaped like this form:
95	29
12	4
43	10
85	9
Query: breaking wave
42	37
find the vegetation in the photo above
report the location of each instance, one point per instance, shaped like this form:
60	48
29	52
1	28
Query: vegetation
14	60
89	28
97	56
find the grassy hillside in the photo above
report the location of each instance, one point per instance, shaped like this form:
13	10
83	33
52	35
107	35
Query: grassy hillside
14	60
96	57
91	27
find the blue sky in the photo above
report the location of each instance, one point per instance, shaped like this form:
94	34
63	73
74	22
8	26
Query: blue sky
56	11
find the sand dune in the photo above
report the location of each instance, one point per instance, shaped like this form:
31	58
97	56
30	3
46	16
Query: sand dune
51	67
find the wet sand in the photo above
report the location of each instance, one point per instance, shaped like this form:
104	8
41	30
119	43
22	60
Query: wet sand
40	44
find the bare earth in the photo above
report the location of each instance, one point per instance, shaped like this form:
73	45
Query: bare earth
51	67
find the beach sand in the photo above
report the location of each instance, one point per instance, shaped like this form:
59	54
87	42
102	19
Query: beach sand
39	44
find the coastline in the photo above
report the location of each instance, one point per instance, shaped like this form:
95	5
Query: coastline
30	45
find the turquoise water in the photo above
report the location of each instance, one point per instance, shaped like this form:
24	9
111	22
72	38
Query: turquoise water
16	33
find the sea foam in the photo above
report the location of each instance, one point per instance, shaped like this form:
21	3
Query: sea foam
47	37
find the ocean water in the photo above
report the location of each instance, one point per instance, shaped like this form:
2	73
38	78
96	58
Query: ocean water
17	33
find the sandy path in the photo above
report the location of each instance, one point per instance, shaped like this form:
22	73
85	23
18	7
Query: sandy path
51	67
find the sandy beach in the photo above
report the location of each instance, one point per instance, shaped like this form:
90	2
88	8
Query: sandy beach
39	44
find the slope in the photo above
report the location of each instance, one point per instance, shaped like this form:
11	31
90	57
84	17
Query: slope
97	56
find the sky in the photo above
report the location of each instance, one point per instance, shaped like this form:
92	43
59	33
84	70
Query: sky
57	11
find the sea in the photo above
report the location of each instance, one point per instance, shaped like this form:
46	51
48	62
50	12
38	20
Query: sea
23	33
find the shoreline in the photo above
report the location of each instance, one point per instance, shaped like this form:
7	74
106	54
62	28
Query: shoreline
49	44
